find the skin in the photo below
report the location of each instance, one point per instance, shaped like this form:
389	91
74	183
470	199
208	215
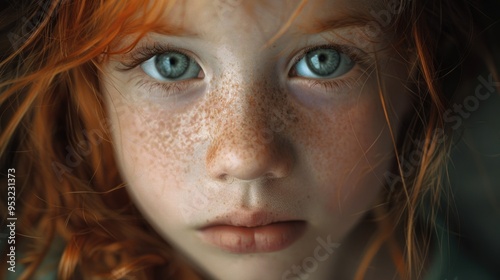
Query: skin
246	136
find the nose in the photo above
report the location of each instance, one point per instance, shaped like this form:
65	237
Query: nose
248	148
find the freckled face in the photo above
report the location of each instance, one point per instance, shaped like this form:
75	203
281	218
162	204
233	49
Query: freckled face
252	134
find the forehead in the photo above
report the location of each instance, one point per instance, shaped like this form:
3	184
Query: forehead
211	16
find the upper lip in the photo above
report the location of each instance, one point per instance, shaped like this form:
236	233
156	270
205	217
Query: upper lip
247	219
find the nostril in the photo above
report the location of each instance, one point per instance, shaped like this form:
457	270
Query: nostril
269	175
223	177
240	157
225	168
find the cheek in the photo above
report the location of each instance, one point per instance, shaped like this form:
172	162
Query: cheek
348	148
152	147
351	147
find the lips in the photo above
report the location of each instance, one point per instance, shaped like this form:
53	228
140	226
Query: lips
252	233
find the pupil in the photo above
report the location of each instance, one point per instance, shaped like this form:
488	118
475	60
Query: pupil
323	62
172	65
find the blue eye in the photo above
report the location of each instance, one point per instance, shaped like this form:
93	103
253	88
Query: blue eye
171	66
323	63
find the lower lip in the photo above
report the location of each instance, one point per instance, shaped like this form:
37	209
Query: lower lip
263	239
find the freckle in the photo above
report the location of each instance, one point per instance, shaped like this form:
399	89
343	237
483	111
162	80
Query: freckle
211	153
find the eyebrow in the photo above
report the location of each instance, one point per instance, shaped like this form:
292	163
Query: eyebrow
335	23
353	19
174	30
344	17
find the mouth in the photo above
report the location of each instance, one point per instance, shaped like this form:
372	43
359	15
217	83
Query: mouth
254	233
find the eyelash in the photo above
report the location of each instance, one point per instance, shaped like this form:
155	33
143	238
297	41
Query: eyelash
144	53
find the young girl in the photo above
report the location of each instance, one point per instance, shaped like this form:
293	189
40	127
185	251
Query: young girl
232	139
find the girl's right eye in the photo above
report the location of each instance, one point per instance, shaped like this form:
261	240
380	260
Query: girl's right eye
171	66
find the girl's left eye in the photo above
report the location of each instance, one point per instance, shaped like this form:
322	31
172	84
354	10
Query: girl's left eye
171	66
323	63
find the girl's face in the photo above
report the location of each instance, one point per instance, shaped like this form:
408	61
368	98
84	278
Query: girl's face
249	154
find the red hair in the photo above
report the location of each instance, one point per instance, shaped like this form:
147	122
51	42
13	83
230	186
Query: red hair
69	182
55	132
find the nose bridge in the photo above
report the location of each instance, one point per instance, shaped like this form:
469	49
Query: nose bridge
247	139
246	100
244	116
248	117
